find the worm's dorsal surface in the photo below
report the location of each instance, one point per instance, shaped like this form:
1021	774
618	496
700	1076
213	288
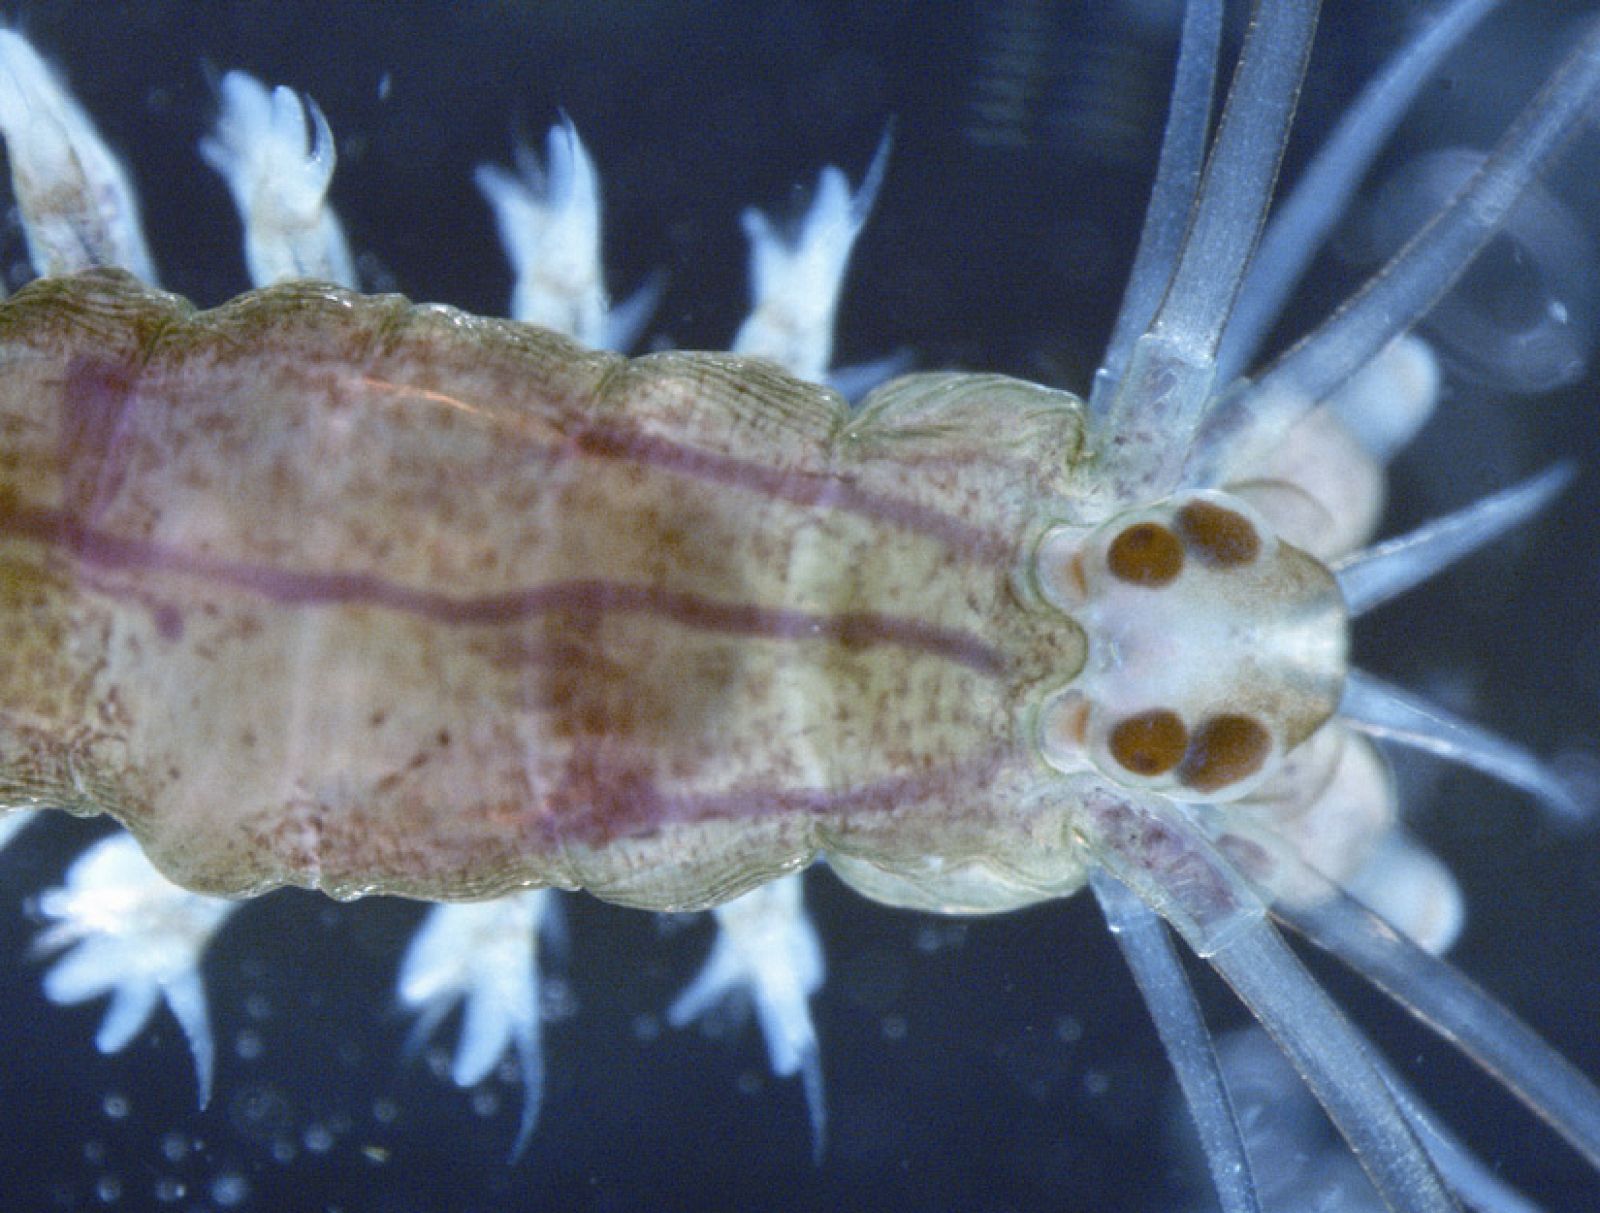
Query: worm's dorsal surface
344	592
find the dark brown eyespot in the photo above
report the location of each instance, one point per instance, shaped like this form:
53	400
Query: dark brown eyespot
1224	750
1151	743
1218	536
1145	554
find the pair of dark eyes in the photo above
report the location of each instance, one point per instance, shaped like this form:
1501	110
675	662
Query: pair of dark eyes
1152	554
1223	750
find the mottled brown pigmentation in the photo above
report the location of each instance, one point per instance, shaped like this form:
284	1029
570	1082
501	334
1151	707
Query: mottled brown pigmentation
1147	554
1218	536
456	606
1151	743
1224	750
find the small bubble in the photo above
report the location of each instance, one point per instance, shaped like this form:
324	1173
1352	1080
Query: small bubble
94	1152
283	1151
258	1007
174	1147
1096	1083
1069	1030
894	1027
247	1045
259	1112
108	1189
646	1028
485	1102
557	1001
385	1111
750	1082
116	1105
229	1191
318	1139
168	1190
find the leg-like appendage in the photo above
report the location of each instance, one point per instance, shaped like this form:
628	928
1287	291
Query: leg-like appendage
276	153
549	218
796	277
136	936
77	202
484	955
768	951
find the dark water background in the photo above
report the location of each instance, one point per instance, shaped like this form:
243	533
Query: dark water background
988	1066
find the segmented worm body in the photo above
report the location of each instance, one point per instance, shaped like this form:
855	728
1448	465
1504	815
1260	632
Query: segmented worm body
331	589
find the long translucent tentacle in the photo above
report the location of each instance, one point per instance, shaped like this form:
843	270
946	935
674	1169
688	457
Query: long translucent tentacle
1172	369
1251	419
1145	944
1330	1056
1306	216
1183	152
1478	1186
1369	578
1457	1009
1390	714
1150	844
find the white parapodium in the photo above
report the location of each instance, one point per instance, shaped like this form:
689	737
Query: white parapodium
276	153
130	933
796	276
77	202
767	952
549	220
484	956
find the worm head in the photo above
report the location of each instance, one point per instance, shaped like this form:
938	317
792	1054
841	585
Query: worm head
1214	647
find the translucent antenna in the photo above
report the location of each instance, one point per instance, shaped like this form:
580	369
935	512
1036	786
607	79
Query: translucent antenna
1172	368
1305	217
1153	846
1148	949
1252	419
1390	714
1183	152
1369	578
1478	1186
1330	1055
1455	1008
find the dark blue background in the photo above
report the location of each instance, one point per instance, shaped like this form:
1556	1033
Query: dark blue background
994	1065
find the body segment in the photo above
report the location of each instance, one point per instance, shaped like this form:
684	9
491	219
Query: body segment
360	595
